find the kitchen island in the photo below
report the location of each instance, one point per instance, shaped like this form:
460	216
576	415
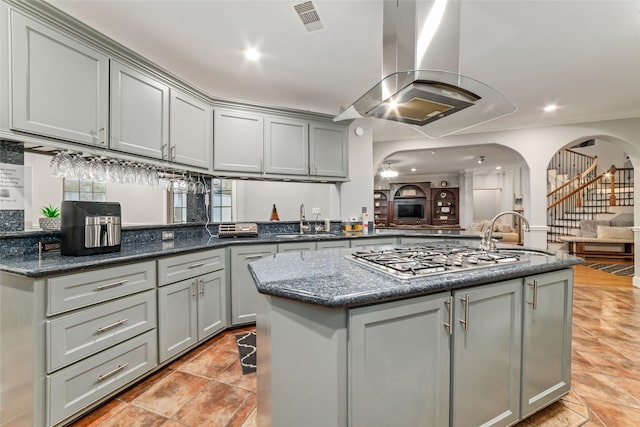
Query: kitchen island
342	344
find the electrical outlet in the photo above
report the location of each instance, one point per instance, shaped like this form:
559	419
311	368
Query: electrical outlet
315	211
52	245
167	235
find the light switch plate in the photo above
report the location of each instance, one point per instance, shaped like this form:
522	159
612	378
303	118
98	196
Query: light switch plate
167	235
315	211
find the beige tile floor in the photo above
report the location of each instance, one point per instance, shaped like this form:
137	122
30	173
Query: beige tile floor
206	387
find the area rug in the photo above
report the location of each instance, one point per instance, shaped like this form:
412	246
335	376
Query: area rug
617	269
247	349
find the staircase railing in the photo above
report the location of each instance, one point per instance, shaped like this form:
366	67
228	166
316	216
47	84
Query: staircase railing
567	207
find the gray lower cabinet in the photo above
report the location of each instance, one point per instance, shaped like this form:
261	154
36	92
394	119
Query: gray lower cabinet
190	311
72	389
286	146
399	363
237	141
332	244
296	246
373	241
139	113
486	355
190	131
59	86
244	294
192	300
546	340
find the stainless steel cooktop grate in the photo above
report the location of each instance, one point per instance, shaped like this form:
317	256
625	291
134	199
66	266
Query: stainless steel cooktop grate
422	260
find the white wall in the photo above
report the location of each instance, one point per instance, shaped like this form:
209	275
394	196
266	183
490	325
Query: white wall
254	200
358	192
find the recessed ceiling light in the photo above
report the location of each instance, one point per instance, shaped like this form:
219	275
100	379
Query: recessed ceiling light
413	169
550	107
498	167
252	54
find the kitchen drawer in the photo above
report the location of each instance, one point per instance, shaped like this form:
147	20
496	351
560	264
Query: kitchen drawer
65	293
77	386
182	267
81	334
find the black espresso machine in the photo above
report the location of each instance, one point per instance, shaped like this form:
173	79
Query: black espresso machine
90	228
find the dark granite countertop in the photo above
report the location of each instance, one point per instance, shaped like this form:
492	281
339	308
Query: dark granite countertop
53	263
330	279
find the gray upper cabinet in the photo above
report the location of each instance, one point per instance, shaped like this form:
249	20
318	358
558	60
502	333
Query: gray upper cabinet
191	130
286	146
237	141
546	344
328	150
486	355
139	113
60	87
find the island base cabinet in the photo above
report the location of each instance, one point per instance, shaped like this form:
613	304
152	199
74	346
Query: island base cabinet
486	355
302	364
546	343
399	363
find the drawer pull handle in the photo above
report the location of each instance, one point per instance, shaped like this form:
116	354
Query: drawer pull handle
112	373
111	285
254	256
111	326
197	264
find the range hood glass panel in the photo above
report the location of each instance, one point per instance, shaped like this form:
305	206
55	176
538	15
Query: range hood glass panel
472	102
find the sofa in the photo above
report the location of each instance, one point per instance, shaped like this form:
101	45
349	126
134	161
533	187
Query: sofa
603	239
508	233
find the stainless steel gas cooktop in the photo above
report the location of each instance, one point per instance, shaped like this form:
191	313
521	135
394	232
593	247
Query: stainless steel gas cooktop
433	258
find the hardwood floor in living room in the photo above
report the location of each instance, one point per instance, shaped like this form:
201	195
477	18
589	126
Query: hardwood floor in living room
206	387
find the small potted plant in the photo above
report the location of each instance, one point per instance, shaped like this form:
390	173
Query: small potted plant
51	218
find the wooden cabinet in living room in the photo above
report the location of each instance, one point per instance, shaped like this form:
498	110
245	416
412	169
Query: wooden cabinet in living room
381	209
411	203
444	202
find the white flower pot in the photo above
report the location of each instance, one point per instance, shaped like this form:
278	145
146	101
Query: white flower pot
49	223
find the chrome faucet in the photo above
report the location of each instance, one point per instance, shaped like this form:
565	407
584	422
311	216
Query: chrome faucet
303	218
488	242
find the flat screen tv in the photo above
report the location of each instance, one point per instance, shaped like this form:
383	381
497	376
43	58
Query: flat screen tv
410	210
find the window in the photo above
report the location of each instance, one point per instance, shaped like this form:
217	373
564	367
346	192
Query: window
222	190
180	205
84	190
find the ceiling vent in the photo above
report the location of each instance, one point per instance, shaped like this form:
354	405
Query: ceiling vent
309	16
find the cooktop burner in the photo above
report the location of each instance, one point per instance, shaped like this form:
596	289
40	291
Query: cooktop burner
433	258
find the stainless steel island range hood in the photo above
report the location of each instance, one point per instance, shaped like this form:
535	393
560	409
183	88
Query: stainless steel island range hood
422	87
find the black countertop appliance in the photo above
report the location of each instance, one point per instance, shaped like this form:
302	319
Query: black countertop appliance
90	228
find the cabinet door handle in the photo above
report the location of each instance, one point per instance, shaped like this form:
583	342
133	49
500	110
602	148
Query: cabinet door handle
111	285
112	373
253	256
163	152
201	287
465	323
105	133
173	152
197	264
449	304
194	289
534	303
111	326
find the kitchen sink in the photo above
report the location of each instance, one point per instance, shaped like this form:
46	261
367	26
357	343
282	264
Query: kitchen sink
305	236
